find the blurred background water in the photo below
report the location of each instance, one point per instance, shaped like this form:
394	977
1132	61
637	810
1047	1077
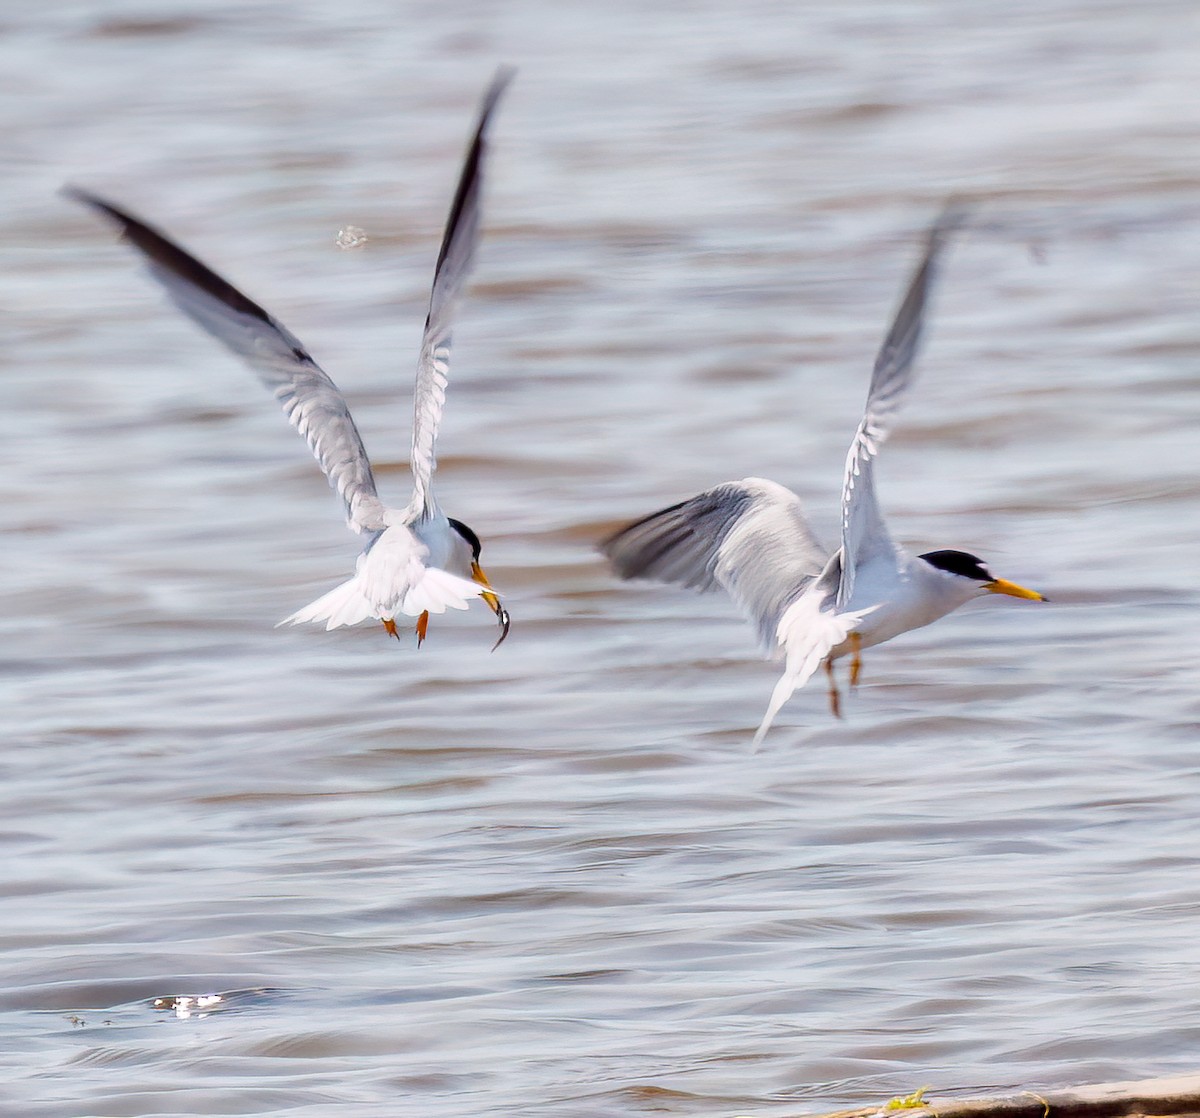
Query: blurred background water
553	880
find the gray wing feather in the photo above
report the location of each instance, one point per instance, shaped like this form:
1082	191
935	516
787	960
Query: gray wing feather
455	260
311	401
748	537
863	530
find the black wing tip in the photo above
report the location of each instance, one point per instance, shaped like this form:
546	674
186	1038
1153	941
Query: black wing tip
952	218
130	226
96	202
727	488
161	252
501	80
606	545
472	168
77	193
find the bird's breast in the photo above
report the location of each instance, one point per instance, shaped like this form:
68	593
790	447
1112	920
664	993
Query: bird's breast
887	607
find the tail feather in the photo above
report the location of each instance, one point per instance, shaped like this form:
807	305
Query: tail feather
436	590
784	690
343	605
807	647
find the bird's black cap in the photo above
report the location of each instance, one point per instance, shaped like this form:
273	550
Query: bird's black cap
468	535
959	563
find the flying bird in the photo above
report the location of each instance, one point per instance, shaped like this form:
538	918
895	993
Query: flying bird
752	539
417	560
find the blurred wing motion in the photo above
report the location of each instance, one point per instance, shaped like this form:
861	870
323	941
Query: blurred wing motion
864	534
311	401
454	263
749	536
752	538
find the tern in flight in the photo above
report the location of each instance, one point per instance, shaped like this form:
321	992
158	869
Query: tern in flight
417	560
751	538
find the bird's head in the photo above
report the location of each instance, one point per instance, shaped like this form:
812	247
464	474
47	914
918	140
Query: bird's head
468	536
964	565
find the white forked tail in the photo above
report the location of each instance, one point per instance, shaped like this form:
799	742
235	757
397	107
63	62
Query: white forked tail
808	635
436	590
784	690
343	605
433	591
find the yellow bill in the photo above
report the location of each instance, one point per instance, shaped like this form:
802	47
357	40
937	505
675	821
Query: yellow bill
1003	586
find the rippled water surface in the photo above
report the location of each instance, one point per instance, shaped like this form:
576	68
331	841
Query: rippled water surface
554	880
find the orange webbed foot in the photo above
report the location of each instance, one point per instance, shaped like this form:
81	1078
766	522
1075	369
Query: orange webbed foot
835	699
856	659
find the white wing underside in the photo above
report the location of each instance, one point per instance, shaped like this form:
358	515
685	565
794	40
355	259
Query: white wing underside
864	533
311	401
455	261
749	537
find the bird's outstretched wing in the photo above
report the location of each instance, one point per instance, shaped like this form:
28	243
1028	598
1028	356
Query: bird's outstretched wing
310	399
864	533
454	262
749	537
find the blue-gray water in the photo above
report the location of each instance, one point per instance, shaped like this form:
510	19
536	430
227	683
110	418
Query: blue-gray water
553	880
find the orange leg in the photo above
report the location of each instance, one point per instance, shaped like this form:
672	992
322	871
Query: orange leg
856	659
390	626
422	628
835	700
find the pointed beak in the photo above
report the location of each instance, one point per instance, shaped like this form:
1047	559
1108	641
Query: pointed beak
494	602
1003	586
